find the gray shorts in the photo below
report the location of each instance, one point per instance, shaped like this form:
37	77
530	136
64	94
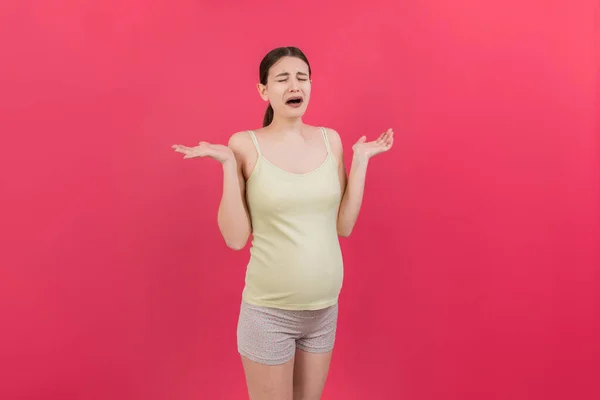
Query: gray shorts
270	336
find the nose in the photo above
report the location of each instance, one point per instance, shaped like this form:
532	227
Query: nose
294	86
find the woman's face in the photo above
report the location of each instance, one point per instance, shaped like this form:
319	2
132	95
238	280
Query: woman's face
288	87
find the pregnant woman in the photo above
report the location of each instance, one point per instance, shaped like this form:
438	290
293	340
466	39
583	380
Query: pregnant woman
286	184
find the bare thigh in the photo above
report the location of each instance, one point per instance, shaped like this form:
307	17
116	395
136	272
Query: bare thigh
310	374
286	354
269	382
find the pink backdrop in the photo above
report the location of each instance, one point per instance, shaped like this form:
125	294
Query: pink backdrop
472	273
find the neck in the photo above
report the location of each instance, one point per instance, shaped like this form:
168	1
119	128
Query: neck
286	125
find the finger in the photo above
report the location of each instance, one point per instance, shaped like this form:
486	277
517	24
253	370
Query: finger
385	135
388	135
385	146
194	154
389	138
201	152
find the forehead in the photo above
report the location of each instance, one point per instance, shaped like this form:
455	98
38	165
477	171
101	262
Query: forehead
290	65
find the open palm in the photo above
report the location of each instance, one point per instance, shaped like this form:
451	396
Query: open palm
366	150
218	152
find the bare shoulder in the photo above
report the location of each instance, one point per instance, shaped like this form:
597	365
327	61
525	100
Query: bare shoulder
335	141
333	135
239	140
244	150
241	144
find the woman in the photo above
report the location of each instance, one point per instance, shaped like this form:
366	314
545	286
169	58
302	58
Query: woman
286	184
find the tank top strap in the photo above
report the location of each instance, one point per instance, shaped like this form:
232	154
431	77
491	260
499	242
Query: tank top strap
255	141
326	138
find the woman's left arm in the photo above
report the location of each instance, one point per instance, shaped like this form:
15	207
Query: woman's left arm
353	186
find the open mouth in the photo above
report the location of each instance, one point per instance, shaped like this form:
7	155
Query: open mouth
294	101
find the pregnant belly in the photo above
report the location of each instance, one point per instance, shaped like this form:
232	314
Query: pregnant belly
301	279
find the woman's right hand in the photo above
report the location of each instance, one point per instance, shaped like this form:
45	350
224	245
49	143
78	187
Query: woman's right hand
219	152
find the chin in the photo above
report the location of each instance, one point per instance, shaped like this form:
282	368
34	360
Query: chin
296	113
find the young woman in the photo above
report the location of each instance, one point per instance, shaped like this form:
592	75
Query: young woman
286	184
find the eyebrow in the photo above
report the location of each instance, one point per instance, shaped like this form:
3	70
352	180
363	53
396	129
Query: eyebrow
288	74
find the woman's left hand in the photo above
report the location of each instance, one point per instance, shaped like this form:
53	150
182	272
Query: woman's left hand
365	150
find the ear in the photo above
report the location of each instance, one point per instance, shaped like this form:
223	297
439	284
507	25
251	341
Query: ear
262	91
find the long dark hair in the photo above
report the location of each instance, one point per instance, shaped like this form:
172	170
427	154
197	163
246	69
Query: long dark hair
268	61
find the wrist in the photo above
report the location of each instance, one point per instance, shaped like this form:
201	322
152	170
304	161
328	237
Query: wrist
360	159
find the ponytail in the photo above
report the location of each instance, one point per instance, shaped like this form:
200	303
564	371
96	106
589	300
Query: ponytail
268	116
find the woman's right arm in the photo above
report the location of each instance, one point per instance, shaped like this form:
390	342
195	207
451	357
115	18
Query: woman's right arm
233	216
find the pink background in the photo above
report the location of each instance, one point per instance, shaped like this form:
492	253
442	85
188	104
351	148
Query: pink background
472	273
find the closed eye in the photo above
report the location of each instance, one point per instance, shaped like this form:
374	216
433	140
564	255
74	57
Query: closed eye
285	80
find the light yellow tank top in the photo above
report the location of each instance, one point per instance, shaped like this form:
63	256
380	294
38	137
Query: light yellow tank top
295	256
